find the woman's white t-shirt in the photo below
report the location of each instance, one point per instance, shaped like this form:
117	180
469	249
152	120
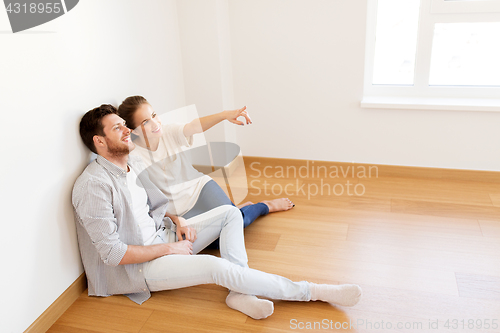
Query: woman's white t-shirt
171	171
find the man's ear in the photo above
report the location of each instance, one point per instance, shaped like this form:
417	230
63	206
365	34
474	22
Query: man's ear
98	141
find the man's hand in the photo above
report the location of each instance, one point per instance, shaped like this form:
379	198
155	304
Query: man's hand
188	233
181	247
234	114
182	230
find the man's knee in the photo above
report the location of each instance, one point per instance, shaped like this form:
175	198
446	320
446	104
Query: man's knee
217	265
223	271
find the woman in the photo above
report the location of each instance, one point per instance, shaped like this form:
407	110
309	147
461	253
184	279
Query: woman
190	192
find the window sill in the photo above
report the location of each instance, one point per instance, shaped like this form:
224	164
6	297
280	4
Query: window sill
452	104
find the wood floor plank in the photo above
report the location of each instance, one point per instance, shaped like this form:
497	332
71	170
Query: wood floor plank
195	319
430	190
495	199
326	267
388	303
92	314
478	286
490	228
445	209
458	245
330	212
394	254
380	221
263	240
58	328
306	227
365	203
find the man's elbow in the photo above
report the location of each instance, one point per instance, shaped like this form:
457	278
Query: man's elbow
116	255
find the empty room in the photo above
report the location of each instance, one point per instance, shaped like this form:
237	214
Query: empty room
250	166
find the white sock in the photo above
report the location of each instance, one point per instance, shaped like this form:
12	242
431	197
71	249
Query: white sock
250	305
343	294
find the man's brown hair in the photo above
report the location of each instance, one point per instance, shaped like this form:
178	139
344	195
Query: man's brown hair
91	124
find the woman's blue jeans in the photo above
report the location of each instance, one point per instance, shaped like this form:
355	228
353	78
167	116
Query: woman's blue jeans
212	196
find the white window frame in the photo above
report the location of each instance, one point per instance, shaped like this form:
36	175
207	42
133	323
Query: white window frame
420	95
457	6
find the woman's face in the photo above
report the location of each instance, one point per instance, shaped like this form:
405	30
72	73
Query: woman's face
147	122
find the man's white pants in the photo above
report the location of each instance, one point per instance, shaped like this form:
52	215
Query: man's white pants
230	271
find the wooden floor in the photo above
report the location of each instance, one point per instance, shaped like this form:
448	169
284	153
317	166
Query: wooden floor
424	244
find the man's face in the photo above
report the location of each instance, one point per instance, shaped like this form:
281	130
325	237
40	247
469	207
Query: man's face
117	135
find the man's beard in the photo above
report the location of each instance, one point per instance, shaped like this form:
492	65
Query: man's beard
117	150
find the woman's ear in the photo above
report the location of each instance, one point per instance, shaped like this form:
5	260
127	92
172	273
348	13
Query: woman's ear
135	132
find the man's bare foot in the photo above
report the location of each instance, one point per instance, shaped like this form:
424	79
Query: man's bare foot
278	205
248	203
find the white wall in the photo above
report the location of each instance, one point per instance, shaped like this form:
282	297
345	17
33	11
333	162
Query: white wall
100	52
298	65
206	54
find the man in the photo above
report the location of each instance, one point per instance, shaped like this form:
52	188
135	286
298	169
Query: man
130	246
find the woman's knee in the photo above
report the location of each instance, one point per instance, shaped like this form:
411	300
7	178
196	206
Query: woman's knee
234	213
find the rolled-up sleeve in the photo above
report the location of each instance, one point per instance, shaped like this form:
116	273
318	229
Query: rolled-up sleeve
93	204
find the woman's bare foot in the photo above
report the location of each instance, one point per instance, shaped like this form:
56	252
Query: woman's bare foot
248	203
278	205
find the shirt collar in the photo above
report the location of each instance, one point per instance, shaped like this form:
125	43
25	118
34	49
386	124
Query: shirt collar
111	167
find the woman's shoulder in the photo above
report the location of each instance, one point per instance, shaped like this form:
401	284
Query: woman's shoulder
172	131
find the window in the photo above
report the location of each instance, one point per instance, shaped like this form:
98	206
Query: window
433	54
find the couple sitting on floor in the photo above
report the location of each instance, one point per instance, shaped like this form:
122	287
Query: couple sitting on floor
139	229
